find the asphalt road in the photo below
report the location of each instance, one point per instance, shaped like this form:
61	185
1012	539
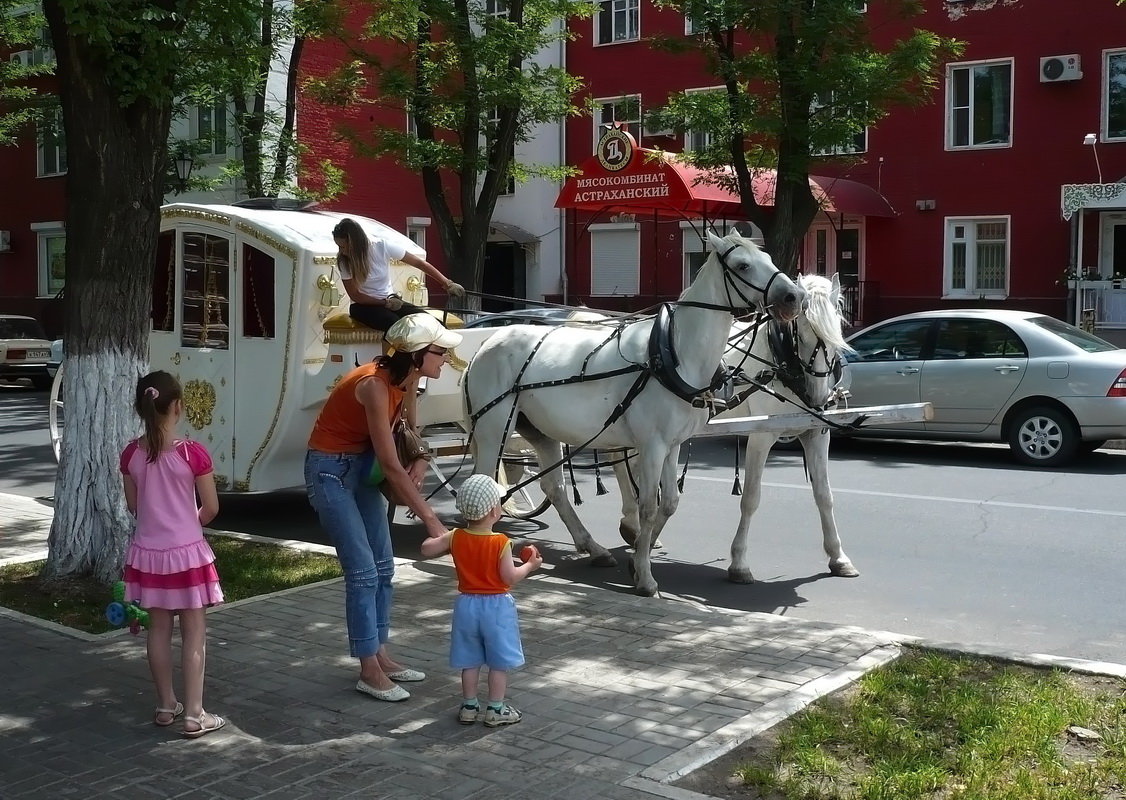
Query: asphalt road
953	542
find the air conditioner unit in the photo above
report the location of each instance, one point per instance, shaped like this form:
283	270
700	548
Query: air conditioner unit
1060	68
24	57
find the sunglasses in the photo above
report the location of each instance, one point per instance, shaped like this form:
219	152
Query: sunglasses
432	351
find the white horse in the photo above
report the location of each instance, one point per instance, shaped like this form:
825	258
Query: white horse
798	367
630	386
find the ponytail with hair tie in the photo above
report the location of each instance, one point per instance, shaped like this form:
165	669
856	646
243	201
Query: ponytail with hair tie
152	393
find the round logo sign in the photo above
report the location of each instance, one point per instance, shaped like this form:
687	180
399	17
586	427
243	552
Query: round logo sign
615	150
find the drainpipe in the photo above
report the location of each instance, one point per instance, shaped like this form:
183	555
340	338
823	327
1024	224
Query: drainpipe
564	251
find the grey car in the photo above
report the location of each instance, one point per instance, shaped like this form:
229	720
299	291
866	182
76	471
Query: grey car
1048	389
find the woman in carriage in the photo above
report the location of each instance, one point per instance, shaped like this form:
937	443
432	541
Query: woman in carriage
365	268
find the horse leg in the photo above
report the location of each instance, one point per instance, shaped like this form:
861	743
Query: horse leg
549	451
647	472
629	523
758	446
670	495
816	445
486	442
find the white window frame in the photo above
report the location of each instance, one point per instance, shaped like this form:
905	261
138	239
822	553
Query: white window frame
416	230
611	9
625	285
497	8
51	152
509	187
45	233
1117	52
633	125
951	69
839	149
690	135
219	146
949	240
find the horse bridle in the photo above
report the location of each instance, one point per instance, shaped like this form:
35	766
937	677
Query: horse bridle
791	370
731	281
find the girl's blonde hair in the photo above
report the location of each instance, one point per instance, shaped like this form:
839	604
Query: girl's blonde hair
356	261
156	392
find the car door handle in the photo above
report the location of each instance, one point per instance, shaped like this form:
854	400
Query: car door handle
1005	369
908	370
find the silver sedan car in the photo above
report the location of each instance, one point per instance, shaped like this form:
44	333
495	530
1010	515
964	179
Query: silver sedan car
1048	389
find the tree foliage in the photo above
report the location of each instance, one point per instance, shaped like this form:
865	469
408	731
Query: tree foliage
120	66
798	77
469	82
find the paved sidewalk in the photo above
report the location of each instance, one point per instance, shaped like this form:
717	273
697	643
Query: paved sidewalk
621	695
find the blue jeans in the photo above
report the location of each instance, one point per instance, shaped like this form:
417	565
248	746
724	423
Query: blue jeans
355	517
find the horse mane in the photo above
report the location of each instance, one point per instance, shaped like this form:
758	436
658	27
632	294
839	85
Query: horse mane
823	315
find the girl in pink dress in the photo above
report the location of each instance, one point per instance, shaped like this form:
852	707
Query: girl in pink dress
170	568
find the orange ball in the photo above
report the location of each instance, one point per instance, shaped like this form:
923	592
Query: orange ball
527	553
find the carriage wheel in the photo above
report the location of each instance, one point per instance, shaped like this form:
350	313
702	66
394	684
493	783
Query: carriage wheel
55	412
518	464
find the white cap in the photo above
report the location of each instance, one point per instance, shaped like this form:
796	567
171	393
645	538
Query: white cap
416	331
479	495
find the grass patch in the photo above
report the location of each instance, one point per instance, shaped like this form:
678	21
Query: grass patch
246	569
945	727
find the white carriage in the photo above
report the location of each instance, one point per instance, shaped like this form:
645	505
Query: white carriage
249	313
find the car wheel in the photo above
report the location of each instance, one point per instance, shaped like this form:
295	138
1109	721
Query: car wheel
1043	437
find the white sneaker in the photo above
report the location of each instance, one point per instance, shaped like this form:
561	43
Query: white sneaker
467	714
507	715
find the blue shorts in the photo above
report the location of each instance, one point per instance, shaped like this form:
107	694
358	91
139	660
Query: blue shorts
486	631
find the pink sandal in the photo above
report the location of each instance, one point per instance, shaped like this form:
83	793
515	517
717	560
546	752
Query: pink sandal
173	713
217	723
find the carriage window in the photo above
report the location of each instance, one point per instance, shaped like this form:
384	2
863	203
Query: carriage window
900	341
257	293
207	276
164	283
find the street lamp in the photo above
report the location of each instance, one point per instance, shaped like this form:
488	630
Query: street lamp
184	163
1092	139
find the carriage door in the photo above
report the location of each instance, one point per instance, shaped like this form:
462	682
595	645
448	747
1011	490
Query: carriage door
204	358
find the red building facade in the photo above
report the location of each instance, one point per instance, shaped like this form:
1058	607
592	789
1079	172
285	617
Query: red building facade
974	177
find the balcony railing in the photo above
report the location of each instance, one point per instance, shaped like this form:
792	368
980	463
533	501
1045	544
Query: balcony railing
1099	305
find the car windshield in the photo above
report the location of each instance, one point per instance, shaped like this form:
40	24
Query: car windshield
1076	336
20	329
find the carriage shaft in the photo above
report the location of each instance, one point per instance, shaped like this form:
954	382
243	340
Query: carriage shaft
800	421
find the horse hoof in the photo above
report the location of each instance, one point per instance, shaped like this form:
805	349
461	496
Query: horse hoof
740	575
845	570
628	536
645	591
604	560
657	545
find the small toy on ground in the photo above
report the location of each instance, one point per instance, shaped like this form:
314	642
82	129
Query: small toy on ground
120	612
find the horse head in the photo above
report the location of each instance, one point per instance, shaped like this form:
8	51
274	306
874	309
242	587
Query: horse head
807	351
741	276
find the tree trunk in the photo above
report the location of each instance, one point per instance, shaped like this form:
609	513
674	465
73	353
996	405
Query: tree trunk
115	185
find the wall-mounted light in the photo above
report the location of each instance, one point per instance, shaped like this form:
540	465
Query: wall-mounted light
184	163
1092	139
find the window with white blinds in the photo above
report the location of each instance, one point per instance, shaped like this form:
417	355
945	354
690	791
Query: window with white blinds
615	261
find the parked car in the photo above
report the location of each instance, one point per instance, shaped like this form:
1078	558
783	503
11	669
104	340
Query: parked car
56	358
24	350
1048	389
